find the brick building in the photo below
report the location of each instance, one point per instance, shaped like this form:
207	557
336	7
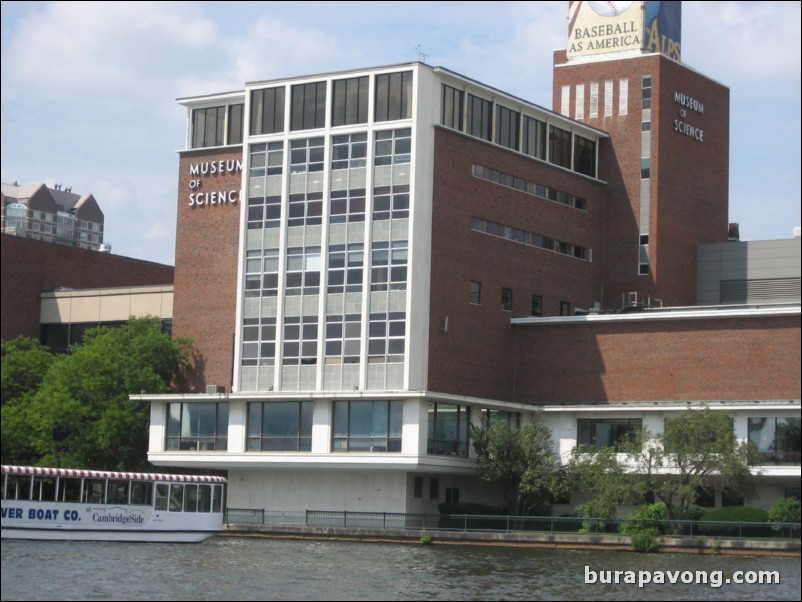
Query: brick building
369	261
55	214
32	267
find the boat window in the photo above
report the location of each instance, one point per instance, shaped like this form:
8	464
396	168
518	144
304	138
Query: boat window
190	498
204	498
162	493
93	491
18	487
141	493
117	492
217	501
176	497
44	489
69	490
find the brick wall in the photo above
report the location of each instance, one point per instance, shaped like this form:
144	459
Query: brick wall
683	360
207	242
475	356
32	266
688	178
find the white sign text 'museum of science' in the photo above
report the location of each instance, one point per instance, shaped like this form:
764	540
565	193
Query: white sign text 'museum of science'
197	171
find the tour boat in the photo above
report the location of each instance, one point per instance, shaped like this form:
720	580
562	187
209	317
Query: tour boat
74	504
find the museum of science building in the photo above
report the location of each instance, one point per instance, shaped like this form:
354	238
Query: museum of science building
370	261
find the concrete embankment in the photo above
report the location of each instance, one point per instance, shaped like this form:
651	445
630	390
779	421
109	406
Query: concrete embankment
678	545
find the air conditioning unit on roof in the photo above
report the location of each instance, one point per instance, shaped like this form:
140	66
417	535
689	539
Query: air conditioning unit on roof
215	389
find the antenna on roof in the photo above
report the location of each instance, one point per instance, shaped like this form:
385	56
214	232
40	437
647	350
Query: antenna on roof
421	55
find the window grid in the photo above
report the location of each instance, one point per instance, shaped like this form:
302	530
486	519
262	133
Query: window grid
393	96
367	426
349	104
453	108
529	238
280	426
197	426
267	111
529	187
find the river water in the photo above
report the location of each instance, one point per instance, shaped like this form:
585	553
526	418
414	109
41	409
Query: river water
234	568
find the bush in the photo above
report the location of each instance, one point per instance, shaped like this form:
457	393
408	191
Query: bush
649	514
451	517
732	514
785	510
646	516
646	540
737	514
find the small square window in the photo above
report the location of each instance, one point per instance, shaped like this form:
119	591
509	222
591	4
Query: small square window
506	299
537	305
475	292
565	308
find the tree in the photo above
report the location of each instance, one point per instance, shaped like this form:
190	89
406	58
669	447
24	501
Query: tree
24	365
697	450
523	464
82	417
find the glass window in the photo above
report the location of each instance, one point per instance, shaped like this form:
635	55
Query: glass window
474	292
208	127
391	202
534	138
197	426
606	432
350	102
367	426
448	429
389	265
777	440
280	426
480	117
343	336
267	111
345	268
560	146
506	299
491	417
308	110
452	107
235	126
300	340
585	156
537	305
393	96
507	127
386	336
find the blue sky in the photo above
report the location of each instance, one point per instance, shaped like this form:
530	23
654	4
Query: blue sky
89	88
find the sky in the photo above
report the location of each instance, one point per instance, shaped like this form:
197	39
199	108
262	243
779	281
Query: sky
89	88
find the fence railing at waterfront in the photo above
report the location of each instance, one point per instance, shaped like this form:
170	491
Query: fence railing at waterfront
512	524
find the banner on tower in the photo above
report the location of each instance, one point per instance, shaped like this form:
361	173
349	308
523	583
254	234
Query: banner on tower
596	28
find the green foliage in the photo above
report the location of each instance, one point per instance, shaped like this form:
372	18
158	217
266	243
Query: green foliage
652	516
522	463
80	415
24	365
737	514
697	450
712	522
646	541
785	510
599	473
